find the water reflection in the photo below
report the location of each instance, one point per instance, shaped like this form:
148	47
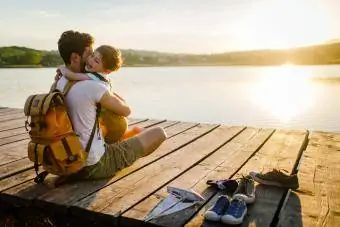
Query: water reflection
284	91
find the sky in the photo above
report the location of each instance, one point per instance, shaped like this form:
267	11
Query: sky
180	26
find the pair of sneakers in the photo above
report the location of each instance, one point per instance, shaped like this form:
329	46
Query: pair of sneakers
227	210
232	210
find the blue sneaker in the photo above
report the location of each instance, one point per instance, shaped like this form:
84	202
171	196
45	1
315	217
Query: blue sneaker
235	213
215	212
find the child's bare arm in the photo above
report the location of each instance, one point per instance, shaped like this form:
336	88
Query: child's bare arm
73	76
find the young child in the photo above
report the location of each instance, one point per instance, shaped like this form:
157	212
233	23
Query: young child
105	60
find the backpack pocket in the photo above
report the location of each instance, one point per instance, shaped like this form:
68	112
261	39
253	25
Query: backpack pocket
61	157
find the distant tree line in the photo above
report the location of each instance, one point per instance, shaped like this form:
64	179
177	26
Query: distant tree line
15	56
22	56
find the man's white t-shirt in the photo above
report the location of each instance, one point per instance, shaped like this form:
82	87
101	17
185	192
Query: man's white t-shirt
81	101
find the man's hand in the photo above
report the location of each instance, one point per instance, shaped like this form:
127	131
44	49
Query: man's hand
121	99
114	104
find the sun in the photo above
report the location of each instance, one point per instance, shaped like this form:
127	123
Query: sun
284	92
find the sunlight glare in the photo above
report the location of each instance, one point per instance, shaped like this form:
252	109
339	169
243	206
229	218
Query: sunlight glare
285	24
283	91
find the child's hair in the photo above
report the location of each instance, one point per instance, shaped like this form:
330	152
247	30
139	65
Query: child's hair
111	56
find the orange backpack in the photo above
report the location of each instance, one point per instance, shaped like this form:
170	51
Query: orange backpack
54	144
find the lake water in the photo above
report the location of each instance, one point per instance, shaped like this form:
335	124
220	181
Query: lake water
282	97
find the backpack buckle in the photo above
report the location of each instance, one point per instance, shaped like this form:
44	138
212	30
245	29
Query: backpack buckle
40	177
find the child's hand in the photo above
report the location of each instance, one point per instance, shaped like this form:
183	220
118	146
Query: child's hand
58	75
63	70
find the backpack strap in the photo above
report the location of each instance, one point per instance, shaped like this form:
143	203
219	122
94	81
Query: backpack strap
100	77
68	87
96	125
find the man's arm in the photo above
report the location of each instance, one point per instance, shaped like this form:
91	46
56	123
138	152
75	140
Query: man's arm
114	104
114	93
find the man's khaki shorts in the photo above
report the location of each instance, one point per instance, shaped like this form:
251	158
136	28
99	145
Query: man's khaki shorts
116	157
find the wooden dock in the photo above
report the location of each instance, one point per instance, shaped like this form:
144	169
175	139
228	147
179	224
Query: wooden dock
192	154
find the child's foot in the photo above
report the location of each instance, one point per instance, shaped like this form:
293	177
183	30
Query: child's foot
132	132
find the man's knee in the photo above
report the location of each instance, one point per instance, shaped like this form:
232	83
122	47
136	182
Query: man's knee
160	132
152	138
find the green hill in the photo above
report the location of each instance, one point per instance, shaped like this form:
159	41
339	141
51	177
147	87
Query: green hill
329	53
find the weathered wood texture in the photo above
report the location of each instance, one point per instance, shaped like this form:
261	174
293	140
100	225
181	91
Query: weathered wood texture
280	152
233	154
13	162
317	202
192	154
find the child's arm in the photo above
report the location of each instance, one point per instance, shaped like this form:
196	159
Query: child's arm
73	76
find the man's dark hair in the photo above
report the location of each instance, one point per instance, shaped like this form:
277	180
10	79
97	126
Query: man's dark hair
73	42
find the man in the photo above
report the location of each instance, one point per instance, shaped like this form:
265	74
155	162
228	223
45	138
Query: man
104	160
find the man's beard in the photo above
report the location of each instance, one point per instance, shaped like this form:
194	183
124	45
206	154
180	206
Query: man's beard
82	66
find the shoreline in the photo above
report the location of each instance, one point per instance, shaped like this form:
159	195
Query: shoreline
182	65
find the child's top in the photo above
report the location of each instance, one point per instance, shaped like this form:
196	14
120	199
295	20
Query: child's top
99	77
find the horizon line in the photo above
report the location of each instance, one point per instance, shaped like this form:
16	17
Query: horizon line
333	41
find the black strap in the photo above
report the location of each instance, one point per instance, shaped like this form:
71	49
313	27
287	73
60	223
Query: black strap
36	164
96	124
40	176
99	76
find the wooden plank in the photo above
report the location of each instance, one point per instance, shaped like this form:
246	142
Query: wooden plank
121	195
180	128
16	179
6	111
280	152
15	167
317	202
13	132
133	121
162	124
13	151
150	122
12	117
81	189
233	154
12	139
11	124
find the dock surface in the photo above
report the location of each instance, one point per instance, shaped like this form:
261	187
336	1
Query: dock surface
192	154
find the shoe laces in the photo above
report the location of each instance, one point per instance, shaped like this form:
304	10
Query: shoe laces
278	173
236	207
244	180
220	205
